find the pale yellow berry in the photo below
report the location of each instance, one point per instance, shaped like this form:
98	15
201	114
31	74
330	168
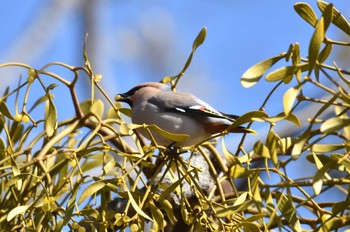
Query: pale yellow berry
73	162
31	75
25	119
97	77
134	227
75	225
30	79
81	229
18	117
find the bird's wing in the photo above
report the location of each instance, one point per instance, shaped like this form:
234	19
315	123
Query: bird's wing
184	103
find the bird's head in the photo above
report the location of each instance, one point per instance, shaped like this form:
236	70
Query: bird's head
139	92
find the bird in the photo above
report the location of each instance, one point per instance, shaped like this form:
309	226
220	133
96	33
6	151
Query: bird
153	103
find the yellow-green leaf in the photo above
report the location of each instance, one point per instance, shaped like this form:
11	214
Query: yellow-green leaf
254	73
230	158
50	118
174	137
318	179
157	215
137	208
282	116
261	149
97	108
199	39
16	211
321	148
237	171
232	210
168	208
338	19
298	147
197	42
288	210
289	99
5	110
334	124
90	190
286	73
248	117
324	54
316	43
272	141
306	12
327	14
241	199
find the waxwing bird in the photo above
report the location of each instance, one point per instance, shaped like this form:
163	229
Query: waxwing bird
154	103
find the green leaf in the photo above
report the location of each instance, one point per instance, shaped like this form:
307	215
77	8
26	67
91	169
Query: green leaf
97	108
289	99
249	226
322	148
197	42
324	54
286	144
52	86
230	158
38	102
321	157
50	118
272	141
261	150
288	210
306	12
125	111
298	147
254	73
174	137
237	171
241	199
16	211
248	117
282	116
168	208
158	217
170	189
90	190
5	110
318	178
346	128
327	14
70	207
137	208
85	106
232	210
340	206
316	43
286	73
334	124
16	172
199	39
338	19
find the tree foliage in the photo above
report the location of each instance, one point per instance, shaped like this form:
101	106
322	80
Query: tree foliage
92	171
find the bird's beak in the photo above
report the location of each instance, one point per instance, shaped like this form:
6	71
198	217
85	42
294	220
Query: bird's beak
123	98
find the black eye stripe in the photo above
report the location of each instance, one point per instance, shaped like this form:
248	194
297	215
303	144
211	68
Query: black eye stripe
131	91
